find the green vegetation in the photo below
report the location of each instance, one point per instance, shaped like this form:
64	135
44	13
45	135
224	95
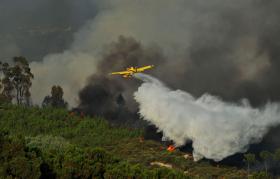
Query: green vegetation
56	98
268	160
54	143
15	81
44	159
250	159
265	156
83	131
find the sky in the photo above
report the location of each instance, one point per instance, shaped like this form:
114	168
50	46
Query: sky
35	28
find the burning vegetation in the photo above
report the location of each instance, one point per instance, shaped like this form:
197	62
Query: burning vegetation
171	148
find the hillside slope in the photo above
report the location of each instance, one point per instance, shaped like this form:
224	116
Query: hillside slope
67	143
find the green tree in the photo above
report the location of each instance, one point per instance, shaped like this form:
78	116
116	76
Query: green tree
250	159
0	75
56	98
6	83
1	86
21	79
276	155
265	156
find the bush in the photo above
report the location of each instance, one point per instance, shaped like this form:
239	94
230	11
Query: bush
16	161
59	144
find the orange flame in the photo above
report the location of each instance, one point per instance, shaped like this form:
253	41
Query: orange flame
171	148
141	139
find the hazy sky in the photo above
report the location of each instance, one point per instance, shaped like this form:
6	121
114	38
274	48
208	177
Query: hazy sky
34	28
223	47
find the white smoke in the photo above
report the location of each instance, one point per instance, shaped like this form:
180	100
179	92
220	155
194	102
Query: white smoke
69	70
172	24
114	18
216	128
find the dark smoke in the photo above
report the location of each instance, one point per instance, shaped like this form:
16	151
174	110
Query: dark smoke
223	47
100	96
233	53
226	48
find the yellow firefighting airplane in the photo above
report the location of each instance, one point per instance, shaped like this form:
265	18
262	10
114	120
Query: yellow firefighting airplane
132	70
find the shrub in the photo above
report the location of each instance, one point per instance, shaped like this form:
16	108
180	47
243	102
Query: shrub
16	161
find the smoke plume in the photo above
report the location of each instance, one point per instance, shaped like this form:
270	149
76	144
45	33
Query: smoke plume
102	93
222	47
117	56
216	128
226	48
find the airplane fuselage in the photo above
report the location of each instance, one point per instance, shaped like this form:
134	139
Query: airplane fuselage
132	70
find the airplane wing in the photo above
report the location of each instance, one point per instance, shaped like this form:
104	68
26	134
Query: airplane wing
144	68
120	73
